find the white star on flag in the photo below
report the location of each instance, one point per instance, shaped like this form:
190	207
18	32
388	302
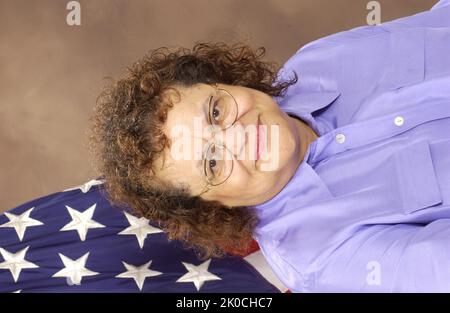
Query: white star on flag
139	227
197	274
74	270
21	222
87	186
138	273
81	221
15	262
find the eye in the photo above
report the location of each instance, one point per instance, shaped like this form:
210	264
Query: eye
212	165
215	111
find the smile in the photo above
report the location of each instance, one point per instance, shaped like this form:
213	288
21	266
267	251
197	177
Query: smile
260	139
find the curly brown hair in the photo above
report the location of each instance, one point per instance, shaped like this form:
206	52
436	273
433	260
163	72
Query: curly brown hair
125	138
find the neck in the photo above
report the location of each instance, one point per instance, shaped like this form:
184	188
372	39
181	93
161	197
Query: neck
306	135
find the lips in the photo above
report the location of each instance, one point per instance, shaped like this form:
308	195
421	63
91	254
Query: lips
258	152
257	139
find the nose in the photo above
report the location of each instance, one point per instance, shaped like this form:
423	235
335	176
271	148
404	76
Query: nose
234	138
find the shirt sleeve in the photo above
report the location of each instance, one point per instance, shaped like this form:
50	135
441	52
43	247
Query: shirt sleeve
380	258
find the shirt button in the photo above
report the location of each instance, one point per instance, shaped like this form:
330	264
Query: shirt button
340	138
399	120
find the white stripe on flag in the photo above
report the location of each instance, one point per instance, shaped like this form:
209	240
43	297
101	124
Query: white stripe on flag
257	260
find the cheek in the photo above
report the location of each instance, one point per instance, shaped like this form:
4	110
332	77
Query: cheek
250	100
240	179
282	141
287	141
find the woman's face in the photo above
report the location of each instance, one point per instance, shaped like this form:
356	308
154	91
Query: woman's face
281	139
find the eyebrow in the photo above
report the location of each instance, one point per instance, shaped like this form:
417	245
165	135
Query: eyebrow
199	165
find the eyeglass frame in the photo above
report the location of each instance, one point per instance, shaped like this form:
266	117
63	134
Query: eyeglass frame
209	120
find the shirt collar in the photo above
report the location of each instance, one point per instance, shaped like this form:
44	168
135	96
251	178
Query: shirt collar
304	187
306	102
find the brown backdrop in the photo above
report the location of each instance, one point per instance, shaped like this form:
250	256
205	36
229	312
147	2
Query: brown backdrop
50	73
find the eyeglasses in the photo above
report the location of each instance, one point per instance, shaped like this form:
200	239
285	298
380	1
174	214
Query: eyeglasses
222	114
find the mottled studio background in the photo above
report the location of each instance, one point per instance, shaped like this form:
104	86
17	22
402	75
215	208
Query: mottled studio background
51	73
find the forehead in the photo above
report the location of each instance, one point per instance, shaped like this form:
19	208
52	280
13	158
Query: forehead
187	118
179	172
187	103
189	107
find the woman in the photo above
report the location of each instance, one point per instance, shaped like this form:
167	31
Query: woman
344	179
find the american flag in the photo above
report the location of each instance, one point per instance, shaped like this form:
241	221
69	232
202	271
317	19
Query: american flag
76	241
